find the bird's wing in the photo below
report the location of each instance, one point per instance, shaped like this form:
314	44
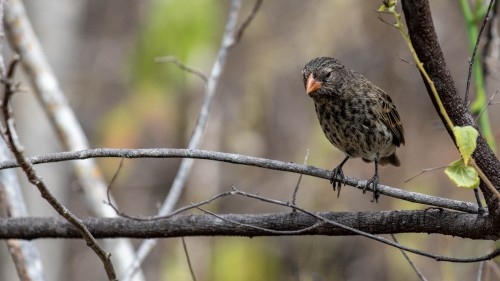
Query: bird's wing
391	118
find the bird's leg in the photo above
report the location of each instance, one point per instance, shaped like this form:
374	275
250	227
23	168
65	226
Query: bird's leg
338	176
374	183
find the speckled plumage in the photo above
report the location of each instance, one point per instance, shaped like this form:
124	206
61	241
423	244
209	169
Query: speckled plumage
356	116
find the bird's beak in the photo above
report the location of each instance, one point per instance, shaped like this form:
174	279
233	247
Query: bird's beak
312	85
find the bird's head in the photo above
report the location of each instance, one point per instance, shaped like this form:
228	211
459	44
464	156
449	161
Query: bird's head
322	76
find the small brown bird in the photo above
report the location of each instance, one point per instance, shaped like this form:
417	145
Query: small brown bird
356	116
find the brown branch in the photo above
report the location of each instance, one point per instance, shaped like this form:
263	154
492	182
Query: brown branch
437	221
12	140
424	39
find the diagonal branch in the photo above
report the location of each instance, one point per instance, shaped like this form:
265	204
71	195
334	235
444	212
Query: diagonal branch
425	41
45	84
229	39
12	140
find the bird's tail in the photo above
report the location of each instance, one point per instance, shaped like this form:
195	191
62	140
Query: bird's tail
391	159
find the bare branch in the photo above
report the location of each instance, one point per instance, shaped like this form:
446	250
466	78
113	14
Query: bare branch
438	221
294	196
228	40
246	22
480	271
174	60
413	266
490	102
44	82
245	160
367	234
13	142
299	223
425	171
425	42
270	231
188	259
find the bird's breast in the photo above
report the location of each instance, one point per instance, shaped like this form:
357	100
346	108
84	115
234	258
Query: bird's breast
353	127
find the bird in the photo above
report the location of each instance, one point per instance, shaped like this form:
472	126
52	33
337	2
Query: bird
356	116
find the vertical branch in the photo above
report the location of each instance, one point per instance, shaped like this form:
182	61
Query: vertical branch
229	39
23	40
201	123
424	39
24	254
10	135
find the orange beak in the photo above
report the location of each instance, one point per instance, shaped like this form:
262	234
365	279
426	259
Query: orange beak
312	85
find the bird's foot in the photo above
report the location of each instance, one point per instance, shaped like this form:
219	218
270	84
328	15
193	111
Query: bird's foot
374	183
336	179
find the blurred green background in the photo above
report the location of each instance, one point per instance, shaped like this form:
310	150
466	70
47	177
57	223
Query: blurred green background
106	65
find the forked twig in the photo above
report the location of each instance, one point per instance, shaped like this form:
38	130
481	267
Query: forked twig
188	69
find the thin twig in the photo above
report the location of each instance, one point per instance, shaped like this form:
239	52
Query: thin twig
108	191
489	256
294	196
406	61
480	271
188	69
473	57
188	259
279	232
490	102
423	171
478	198
228	40
178	211
245	160
492	42
15	147
415	268
246	22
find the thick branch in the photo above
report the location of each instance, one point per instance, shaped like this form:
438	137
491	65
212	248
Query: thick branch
425	41
409	221
244	160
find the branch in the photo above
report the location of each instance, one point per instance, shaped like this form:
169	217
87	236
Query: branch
10	135
228	41
424	39
44	82
437	221
244	160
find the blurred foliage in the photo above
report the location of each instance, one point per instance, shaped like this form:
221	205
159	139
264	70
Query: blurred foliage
473	18
185	29
244	260
178	28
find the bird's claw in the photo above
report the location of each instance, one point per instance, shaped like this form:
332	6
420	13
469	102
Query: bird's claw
374	183
336	179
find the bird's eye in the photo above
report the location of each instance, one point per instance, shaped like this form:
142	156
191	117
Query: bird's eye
328	75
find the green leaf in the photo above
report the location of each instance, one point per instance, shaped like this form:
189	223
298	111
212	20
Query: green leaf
466	141
462	175
382	8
